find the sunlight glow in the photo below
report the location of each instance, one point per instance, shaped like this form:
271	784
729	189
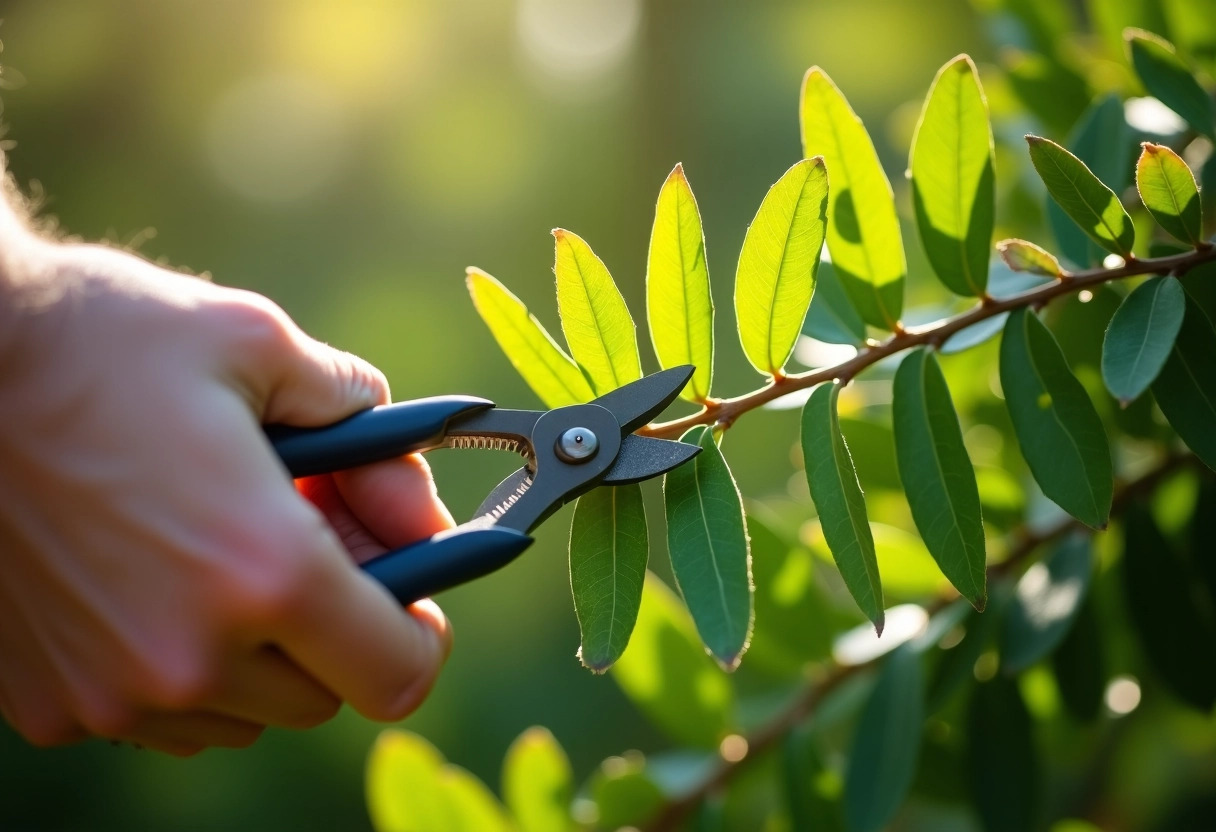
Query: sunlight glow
859	645
1122	695
577	40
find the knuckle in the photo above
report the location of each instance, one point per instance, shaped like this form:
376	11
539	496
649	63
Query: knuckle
272	580
182	685
106	716
256	322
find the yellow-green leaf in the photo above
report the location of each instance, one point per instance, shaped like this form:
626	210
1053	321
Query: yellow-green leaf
776	275
952	178
544	365
1170	80
838	498
537	782
679	306
1090	204
863	229
1025	256
1167	188
596	321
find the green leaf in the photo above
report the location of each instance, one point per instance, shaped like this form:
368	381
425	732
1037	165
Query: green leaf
1058	429
608	551
1170	610
811	789
1167	188
411	789
1090	204
1025	256
624	794
952	178
838	498
882	760
679	306
777	265
544	365
832	318
1169	80
707	540
1079	666
863	229
1055	93
537	782
1002	762
1185	389
957	664
596	321
1044	604
937	474
793	624
666	673
1141	335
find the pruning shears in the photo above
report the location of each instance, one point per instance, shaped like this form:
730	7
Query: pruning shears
567	452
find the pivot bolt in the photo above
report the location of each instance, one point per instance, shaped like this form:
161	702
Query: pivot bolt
577	445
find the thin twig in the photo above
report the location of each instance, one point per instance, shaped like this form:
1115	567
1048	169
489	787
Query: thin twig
1025	542
727	410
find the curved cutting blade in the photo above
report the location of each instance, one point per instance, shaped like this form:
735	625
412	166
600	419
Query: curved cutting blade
638	402
642	458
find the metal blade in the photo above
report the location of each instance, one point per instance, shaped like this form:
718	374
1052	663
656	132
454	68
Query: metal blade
638	402
505	494
642	458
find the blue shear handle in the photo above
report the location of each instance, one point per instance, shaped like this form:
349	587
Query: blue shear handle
446	560
382	432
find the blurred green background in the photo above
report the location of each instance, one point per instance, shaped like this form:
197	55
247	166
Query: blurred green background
350	159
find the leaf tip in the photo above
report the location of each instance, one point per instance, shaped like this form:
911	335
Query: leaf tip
980	603
879	624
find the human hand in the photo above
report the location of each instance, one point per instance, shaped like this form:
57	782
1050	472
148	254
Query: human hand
162	582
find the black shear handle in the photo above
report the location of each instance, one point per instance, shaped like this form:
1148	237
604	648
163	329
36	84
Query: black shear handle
428	566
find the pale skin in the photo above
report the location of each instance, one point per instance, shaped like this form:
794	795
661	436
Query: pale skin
161	580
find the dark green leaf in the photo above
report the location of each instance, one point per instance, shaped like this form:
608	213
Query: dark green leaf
777	265
707	540
838	498
666	673
885	748
1170	80
1186	387
1168	190
1055	93
832	318
811	789
1141	335
679	306
544	365
1170	610
537	782
1044	604
1024	256
957	664
1002	761
608	550
596	321
1079	667
937	474
1092	205
863	229
952	178
1058	429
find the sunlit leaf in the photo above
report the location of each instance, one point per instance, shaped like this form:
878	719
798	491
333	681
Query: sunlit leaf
863	229
1185	389
777	265
1044	604
544	365
1090	204
707	540
666	673
1167	188
832	317
1170	80
624	794
608	551
952	178
937	474
1141	335
679	306
1058	429
537	782
1002	761
1025	256
596	322
882	759
838	498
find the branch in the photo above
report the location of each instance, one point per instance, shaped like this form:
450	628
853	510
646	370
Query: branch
725	411
1024	544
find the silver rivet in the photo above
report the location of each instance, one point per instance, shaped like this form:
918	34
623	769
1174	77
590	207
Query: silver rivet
577	445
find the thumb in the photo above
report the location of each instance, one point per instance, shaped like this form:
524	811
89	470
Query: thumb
315	384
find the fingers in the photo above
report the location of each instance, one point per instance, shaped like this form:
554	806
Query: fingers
183	734
268	689
395	500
